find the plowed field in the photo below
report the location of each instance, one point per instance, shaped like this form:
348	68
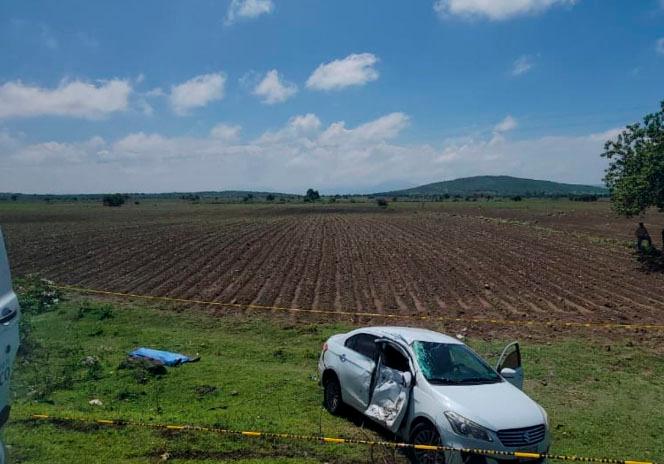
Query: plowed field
430	258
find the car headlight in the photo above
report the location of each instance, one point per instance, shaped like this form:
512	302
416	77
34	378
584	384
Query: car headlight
466	427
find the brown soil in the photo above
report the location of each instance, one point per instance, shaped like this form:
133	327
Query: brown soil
448	260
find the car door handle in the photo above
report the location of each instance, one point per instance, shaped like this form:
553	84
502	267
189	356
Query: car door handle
342	358
7	315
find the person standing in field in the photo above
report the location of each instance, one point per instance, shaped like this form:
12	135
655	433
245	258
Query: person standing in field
642	235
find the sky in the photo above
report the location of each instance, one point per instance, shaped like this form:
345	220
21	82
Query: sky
345	96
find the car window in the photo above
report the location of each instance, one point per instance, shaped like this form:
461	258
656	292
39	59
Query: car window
364	344
394	359
513	359
452	364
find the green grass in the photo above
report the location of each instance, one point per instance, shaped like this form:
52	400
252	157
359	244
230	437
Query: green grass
257	373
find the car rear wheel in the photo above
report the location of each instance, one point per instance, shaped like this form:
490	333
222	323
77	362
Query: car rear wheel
332	395
425	433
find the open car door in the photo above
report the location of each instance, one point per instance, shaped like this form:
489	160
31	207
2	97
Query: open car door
9	316
509	365
391	386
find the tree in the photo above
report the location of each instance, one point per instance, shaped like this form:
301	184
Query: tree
269	197
635	176
311	195
117	199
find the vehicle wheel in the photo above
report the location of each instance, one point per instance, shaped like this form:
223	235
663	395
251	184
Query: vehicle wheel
426	434
332	395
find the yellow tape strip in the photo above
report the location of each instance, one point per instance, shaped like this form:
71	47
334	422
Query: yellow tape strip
338	441
333	440
520	454
596	325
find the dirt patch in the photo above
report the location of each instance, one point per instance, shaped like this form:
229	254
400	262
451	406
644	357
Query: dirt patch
475	263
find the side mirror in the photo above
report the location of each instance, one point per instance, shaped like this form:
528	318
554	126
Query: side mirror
407	379
508	373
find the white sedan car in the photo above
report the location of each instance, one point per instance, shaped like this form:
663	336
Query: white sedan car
429	388
9	336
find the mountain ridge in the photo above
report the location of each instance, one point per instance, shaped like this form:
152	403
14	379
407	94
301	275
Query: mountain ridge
498	186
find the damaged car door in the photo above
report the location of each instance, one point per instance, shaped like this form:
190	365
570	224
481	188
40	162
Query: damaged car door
509	365
391	386
359	361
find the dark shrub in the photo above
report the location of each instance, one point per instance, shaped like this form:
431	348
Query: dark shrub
116	199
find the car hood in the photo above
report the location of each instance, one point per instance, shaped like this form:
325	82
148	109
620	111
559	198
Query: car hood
496	406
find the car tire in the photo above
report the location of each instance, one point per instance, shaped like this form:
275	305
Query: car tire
332	395
425	433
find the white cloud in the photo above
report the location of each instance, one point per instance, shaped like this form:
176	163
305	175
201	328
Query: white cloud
156	92
383	128
522	65
659	46
494	9
303	153
355	69
48	38
299	127
74	99
506	125
305	123
57	153
273	89
247	9
144	107
225	132
197	92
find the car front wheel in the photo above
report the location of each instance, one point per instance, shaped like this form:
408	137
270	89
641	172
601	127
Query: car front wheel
425	433
332	395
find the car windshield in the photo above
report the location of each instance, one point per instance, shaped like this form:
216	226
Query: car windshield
452	364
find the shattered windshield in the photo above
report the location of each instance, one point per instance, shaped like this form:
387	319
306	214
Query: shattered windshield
452	364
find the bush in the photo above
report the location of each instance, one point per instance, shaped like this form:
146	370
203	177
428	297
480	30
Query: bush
269	197
585	197
190	197
117	199
382	202
516	198
37	295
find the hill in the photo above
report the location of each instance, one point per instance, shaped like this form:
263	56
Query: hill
499	186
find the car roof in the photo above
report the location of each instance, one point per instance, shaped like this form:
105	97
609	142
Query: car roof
408	334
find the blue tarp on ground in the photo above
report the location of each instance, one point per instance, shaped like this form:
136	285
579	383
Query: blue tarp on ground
164	357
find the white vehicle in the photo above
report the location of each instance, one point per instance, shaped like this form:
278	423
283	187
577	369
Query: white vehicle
429	388
9	337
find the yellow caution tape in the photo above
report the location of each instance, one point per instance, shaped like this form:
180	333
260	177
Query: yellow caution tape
329	312
335	440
